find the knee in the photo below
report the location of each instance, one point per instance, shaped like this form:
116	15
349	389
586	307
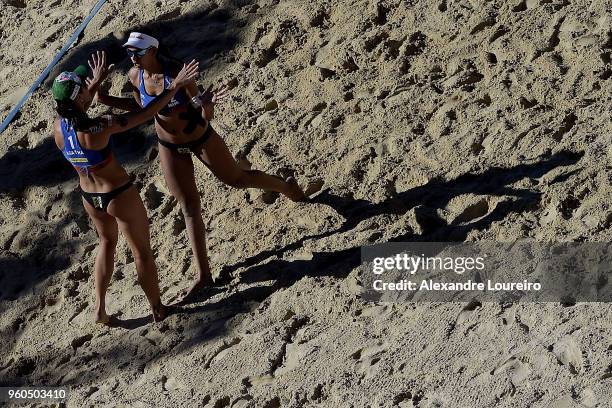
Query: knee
108	243
191	207
142	257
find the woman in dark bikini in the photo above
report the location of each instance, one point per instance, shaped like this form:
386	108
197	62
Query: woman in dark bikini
109	197
183	128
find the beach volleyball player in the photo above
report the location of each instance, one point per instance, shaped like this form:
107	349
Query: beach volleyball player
184	131
108	195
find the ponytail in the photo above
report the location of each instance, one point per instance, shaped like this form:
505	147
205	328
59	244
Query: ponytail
75	116
168	60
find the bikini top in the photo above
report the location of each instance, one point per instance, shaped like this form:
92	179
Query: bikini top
179	99
82	159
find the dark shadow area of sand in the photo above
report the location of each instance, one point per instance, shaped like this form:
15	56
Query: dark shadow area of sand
426	199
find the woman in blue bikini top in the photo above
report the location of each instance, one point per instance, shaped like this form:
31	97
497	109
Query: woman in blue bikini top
82	159
184	132
110	199
180	99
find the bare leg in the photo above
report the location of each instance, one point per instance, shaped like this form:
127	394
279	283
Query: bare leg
179	175
131	216
215	154
106	226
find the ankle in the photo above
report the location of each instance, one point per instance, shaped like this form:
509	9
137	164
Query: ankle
204	277
99	307
159	311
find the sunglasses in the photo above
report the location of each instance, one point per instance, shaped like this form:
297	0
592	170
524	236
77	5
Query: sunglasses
137	53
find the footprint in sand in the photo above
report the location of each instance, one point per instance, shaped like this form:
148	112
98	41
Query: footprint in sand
221	403
18	324
221	351
463	316
171	384
80	341
272	403
245	401
24	366
177	225
62	360
403	400
368	357
80	308
467	311
52	301
568	353
268	197
468	207
167	206
587	398
373	311
295	349
295	352
313	187
153	196
257	380
516	370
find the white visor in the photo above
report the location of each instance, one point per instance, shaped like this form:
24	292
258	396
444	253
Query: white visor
141	41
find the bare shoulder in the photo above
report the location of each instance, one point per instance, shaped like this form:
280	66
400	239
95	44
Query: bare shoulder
133	76
57	133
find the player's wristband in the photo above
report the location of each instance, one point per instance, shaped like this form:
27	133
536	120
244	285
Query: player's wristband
196	102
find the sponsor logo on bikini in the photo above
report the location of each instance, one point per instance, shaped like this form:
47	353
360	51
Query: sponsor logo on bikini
97	202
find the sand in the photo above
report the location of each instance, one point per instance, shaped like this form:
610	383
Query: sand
426	120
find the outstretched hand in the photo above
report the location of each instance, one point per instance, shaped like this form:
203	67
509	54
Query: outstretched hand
188	73
215	95
97	63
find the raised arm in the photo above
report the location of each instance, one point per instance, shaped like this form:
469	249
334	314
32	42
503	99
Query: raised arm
99	69
121	123
126	104
207	100
97	63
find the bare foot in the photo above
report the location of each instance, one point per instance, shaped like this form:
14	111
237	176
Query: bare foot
160	312
313	187
295	192
102	318
110	321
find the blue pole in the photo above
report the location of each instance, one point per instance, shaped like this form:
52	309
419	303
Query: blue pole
47	70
